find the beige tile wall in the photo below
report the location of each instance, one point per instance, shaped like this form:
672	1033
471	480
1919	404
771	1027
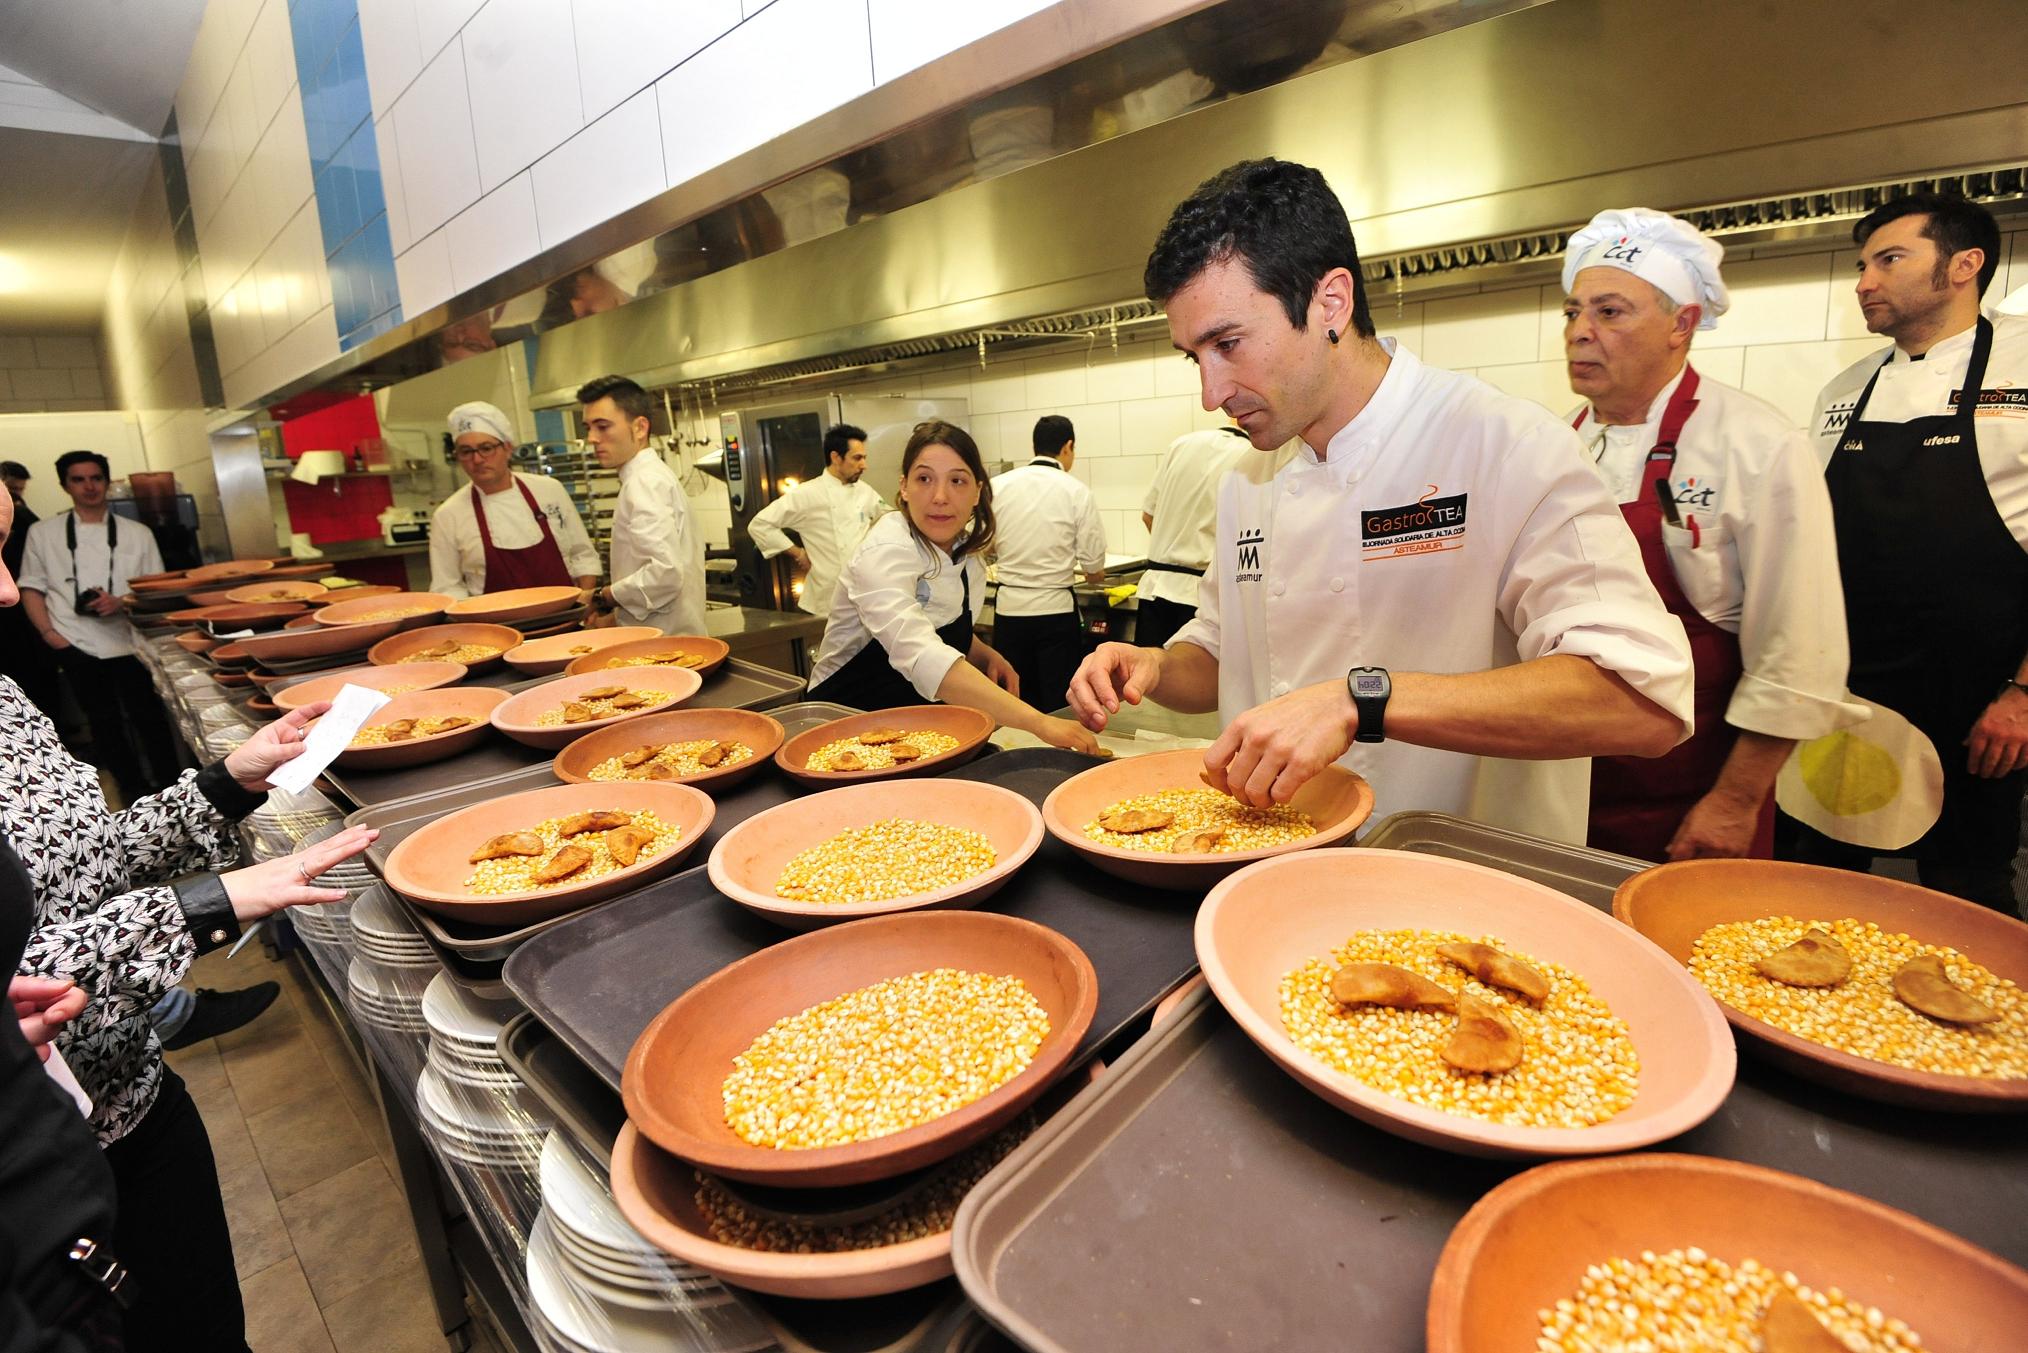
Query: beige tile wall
51	373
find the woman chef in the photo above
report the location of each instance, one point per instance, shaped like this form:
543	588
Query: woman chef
901	620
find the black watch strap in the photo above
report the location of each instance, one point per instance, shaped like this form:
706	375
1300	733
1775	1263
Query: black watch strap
1370	688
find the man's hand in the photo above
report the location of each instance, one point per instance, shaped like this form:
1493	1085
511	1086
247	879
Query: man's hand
1268	753
1718	827
999	671
1109	674
252	762
1999	740
55	640
801	557
105	603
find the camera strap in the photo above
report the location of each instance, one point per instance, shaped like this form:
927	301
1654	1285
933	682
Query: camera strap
112	548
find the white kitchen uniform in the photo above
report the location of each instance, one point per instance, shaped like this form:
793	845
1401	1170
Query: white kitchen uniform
896	591
1762	562
1447	528
657	552
1183	500
832	518
1929	388
1046	530
458	555
46	567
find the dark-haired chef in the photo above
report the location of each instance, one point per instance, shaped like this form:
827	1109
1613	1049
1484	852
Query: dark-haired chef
1434	571
1724	495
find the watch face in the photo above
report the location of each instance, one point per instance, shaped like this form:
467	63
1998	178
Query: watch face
1369	685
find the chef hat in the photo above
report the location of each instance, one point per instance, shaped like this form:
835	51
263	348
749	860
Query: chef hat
479	416
1675	256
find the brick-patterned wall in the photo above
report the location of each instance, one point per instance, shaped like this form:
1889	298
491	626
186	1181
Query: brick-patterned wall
51	373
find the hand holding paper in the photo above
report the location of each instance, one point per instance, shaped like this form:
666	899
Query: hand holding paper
332	734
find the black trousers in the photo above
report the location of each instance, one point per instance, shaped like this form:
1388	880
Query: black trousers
1045	651
1155	620
172	1231
28	660
1990	882
130	729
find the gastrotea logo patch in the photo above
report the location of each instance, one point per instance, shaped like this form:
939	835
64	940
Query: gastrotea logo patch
1248	570
1425	526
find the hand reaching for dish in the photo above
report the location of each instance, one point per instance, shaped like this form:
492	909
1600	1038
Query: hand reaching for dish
265	888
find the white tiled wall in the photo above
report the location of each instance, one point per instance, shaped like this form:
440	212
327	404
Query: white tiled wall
50	373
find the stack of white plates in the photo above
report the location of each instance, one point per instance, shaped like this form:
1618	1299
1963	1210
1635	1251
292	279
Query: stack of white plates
575	1315
463	1030
500	1126
597	1242
329	922
286	821
387	995
380	932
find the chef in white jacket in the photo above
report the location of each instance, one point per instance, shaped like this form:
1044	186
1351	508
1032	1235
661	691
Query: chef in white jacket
504	530
1433	571
657	553
1725	497
831	513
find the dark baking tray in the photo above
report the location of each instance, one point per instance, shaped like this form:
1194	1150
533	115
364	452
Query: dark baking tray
599	977
736	685
1198	1197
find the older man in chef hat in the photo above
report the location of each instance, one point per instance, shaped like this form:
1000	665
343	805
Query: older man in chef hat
1728	503
504	530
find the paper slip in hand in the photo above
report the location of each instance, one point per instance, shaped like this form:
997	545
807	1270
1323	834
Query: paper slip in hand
60	1072
331	735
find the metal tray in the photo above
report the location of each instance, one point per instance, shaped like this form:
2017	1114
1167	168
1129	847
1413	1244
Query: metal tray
1257	1216
1590	876
597	978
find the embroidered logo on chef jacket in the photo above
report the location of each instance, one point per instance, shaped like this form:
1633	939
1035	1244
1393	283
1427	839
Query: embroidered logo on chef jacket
2010	403
1250	540
1427	525
1698	493
1836	417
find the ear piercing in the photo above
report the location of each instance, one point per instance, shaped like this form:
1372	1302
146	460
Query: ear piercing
1332	334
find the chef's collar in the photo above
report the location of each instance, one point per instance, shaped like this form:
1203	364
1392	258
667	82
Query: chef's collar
1944	352
1655	409
1371	425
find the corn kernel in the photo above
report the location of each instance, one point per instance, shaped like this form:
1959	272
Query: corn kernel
879	757
898	857
514	874
1196	809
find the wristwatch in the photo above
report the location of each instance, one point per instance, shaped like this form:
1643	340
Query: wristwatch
604	600
1370	687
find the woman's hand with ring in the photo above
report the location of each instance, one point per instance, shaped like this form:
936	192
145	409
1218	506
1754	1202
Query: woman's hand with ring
265	888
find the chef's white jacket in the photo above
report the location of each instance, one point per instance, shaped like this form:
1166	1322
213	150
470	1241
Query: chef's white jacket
832	518
1929	388
458	555
46	568
1763	560
1046	529
1183	500
657	552
1447	528
895	591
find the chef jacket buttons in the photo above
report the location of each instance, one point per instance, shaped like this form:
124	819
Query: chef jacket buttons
1337	584
1294	489
1281	688
1280	587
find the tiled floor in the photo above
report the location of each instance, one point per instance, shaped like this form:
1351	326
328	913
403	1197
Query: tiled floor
327	1257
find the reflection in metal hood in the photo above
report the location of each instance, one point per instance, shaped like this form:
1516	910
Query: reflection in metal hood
1526	122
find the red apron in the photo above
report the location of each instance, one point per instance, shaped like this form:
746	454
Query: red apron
1637	803
539	565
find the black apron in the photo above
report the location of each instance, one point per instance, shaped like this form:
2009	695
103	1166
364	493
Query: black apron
868	679
1936	597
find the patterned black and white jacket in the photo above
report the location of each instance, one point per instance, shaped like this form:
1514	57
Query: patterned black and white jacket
108	914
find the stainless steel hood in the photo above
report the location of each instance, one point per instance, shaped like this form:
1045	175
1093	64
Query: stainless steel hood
1528	122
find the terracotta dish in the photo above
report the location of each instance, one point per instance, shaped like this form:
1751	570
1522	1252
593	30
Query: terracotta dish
430	867
400	646
517	717
520	603
286	590
968	726
263	616
1673	904
232	679
748	859
190	641
1274	916
233	654
674	1077
231	568
473	702
156	579
357	609
421	676
1337	801
295	644
711	652
551	654
1526	1245
217	597
338	594
575	762
313	569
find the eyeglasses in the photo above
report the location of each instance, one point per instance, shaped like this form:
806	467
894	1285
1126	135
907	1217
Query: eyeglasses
483	449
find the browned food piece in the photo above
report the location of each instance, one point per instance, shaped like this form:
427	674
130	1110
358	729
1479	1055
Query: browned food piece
450	721
442	650
562	864
576	713
688	660
848	761
629	700
625	842
880	737
1387	984
579	650
399	730
714	754
655	770
1790	1327
1484	1042
603	692
1496	969
904	752
639	754
1815	960
1200	842
1132	821
1924	986
511	844
599	820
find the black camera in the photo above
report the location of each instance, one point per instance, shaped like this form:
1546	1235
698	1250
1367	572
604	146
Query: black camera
86	598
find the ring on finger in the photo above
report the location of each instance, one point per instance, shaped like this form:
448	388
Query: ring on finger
303	873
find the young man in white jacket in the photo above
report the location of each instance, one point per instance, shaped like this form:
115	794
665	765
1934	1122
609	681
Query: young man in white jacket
657	553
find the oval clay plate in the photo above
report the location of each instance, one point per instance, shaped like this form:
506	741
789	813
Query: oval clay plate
552	653
405	645
970	727
520	603
702	653
517	718
470	702
417	676
574	763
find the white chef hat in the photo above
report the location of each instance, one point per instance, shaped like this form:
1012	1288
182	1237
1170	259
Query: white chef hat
1673	255
479	416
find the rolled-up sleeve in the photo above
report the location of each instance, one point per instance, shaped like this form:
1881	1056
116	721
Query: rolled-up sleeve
771	525
879	587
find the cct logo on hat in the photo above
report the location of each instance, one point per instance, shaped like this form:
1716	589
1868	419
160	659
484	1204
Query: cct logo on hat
1621	251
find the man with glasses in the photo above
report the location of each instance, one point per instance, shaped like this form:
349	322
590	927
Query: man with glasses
504	530
73	573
